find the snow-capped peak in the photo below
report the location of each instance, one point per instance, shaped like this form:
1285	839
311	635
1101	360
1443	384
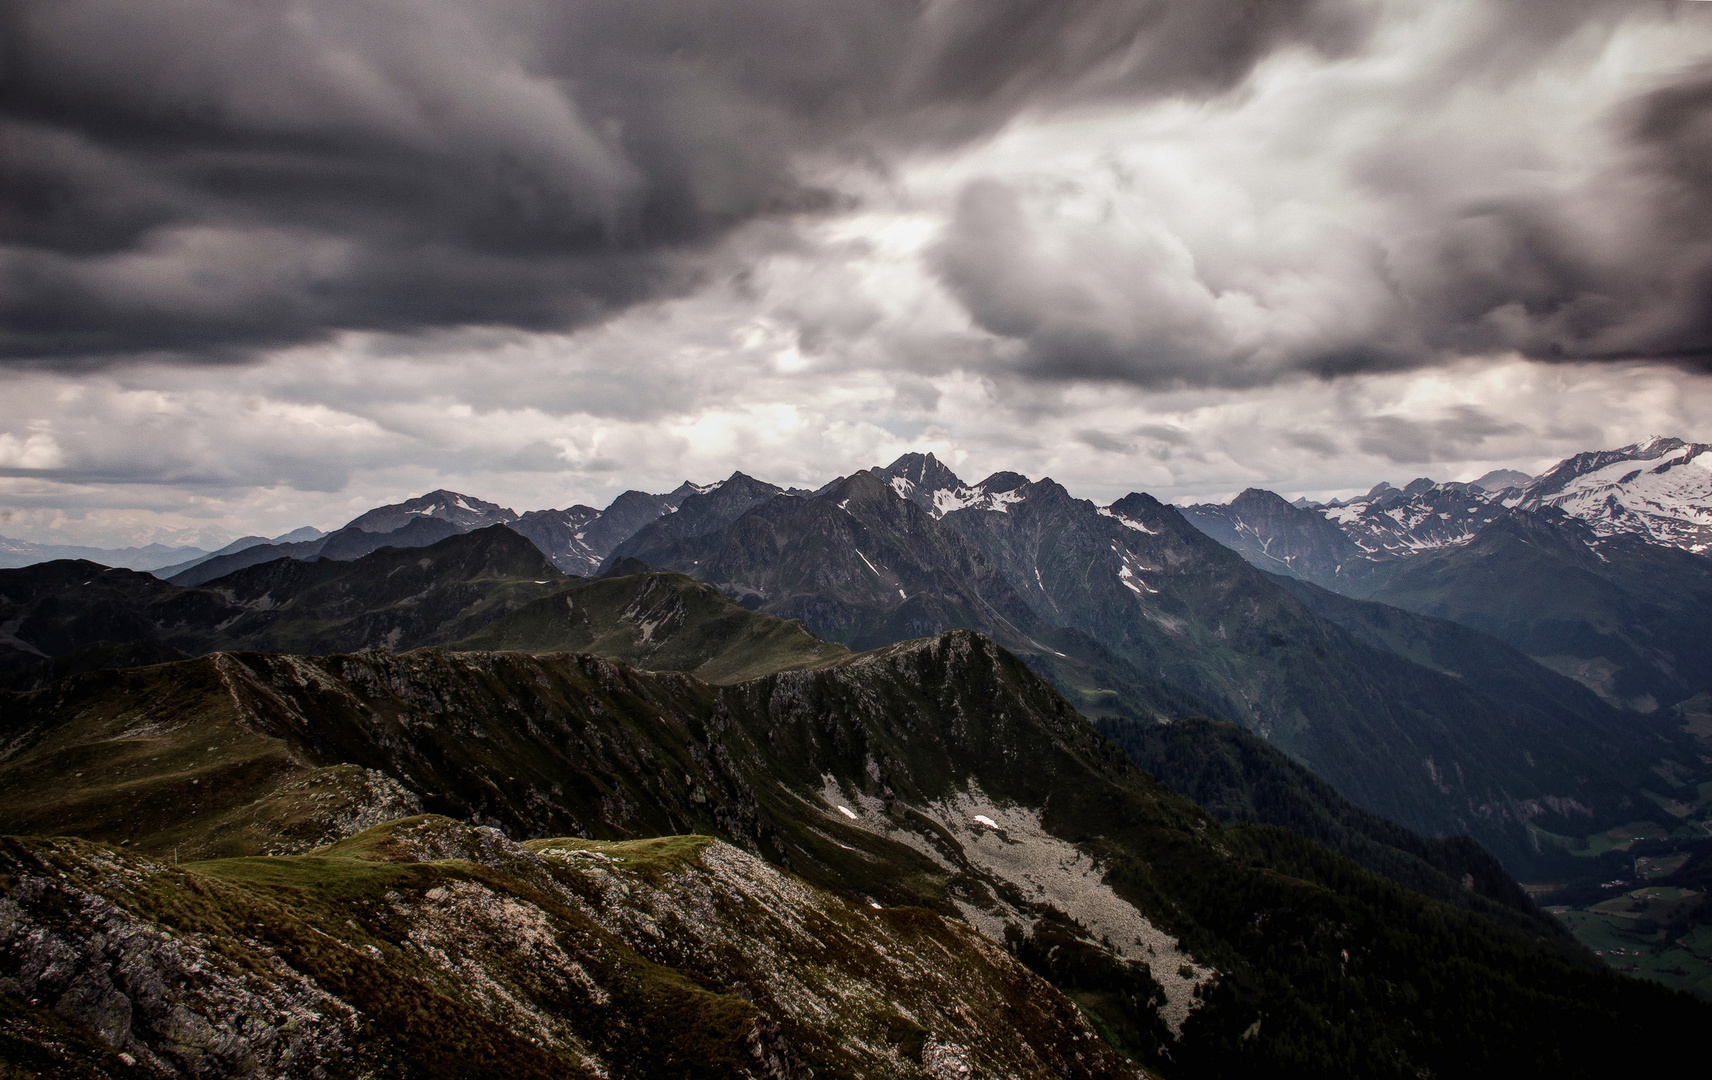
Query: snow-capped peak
923	480
1660	489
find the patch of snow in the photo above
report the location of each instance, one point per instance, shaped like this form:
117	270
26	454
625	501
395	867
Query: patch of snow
1010	844
847	812
1128	523
945	500
871	566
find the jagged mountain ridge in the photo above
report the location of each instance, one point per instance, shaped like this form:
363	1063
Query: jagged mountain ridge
862	565
939	773
1594	568
1660	489
577	538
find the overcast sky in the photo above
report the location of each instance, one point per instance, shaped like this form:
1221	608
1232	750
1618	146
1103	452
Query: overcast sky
268	263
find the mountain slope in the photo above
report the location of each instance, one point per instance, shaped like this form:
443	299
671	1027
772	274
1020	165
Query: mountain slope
1588	568
707	510
1134	588
394	597
940	773
1240	778
1278	537
579	538
428	948
1404	741
661	622
1621	615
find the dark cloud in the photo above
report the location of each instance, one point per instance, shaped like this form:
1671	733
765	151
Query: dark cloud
209	176
1551	278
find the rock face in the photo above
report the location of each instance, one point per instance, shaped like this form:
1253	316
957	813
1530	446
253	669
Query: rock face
429	948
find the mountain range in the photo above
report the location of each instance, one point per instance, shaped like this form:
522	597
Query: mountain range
1125	608
913	861
1596	568
1155	782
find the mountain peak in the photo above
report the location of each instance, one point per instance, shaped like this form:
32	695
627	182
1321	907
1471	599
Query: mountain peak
1259	498
1643	489
921	471
1002	482
1501	480
464	511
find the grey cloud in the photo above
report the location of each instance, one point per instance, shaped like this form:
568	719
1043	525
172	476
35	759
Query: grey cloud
1457	435
1312	441
1537	276
1616	268
1103	442
210	177
1127	311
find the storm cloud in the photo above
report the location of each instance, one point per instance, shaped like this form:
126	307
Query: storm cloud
204	178
1484	199
266	263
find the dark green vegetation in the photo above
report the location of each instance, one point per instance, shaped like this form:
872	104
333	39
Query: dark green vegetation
1201	950
1660	929
395	597
1623	616
424	948
1242	779
662	622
